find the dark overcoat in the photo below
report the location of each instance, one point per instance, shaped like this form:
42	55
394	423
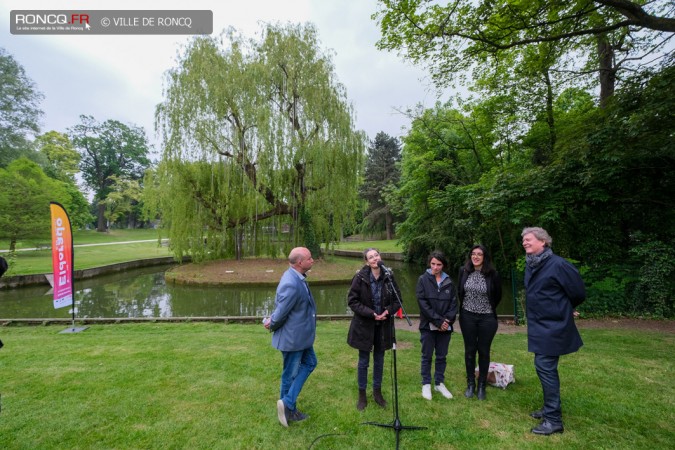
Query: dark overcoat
552	290
360	300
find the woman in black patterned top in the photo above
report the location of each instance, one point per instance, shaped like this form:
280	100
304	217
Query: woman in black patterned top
479	291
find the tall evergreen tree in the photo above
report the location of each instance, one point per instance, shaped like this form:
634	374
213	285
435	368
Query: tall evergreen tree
381	177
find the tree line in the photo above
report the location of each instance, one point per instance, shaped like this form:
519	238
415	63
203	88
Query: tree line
567	126
36	168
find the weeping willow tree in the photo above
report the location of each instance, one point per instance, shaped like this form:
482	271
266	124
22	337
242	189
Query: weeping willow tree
260	153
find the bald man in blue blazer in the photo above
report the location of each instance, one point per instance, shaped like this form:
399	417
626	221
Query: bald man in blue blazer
294	325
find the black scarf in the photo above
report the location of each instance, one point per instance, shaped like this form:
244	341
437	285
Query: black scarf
533	261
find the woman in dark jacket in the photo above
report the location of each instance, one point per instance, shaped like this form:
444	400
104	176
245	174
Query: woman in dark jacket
374	302
480	291
438	309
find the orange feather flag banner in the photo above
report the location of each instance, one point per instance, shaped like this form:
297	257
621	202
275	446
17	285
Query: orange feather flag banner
62	256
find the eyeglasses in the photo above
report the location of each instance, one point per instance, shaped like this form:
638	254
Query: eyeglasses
476	254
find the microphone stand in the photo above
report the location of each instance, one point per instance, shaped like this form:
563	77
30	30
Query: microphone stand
396	425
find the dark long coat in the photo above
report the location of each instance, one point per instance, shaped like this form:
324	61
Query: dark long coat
553	289
360	299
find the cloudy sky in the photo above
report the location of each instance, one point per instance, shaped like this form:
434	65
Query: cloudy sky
121	77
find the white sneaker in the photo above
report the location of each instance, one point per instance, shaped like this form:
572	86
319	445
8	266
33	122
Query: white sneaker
281	413
426	391
443	390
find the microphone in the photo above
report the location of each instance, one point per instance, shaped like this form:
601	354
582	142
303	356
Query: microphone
386	269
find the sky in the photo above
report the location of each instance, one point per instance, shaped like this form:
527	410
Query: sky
120	77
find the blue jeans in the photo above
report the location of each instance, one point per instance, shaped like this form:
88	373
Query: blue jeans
438	342
547	370
297	367
362	369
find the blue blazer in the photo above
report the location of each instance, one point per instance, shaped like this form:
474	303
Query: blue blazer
552	291
294	318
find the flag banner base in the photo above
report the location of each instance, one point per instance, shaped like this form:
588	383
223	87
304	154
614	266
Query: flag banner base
73	330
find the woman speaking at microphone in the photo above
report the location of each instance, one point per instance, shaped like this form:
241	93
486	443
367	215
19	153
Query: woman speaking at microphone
374	302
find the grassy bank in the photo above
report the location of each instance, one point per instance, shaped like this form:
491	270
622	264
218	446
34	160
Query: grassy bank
90	250
40	261
212	386
94	252
88	237
359	246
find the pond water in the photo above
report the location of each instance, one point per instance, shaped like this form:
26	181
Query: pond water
144	293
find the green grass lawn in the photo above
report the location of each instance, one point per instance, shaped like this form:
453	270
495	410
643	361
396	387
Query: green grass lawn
214	386
383	246
39	261
89	237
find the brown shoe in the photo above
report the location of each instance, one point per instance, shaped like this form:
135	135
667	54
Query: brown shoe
377	396
363	400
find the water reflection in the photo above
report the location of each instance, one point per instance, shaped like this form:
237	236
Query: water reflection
144	293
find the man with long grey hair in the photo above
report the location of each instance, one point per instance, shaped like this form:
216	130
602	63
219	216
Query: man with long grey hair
553	288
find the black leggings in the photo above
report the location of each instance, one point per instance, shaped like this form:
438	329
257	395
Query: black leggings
478	330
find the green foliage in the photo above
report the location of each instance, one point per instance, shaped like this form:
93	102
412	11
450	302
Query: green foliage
653	292
62	164
380	178
523	42
445	152
255	133
25	193
607	290
19	110
122	201
607	181
77	206
109	149
309	236
62	158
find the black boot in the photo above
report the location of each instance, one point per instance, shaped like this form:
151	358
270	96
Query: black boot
481	390
470	387
363	400
470	363
377	395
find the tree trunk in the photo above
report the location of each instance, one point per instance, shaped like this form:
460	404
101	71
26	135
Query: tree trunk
12	245
101	225
606	69
239	243
389	225
131	221
542	153
550	120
